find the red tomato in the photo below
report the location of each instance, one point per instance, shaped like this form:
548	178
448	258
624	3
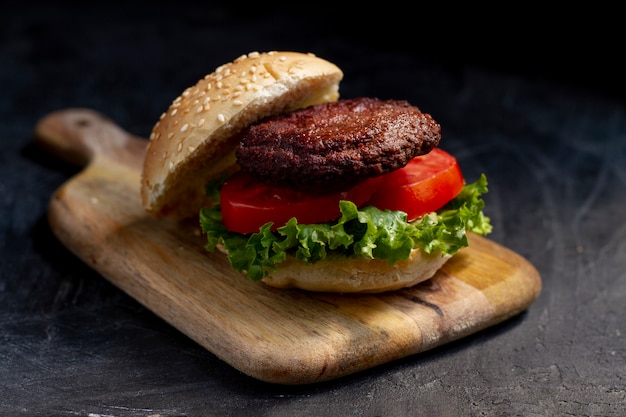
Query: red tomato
425	184
248	204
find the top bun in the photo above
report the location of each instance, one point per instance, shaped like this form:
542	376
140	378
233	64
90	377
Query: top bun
194	141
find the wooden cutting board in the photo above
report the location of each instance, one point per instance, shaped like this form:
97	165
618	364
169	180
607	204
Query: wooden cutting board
274	335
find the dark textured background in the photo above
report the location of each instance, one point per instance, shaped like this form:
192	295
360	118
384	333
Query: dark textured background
535	101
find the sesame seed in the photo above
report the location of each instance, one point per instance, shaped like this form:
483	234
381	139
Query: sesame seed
184	127
199	109
170	135
206	100
238	103
221	117
180	146
171	165
201	122
219	84
173	112
282	58
191	148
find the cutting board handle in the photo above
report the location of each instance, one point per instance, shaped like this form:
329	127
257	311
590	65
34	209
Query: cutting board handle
81	135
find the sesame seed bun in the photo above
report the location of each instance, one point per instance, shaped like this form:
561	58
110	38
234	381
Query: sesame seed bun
195	139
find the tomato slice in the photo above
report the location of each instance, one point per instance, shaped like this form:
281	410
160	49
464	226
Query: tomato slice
248	204
424	185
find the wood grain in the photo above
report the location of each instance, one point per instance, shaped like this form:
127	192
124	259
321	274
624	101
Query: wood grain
274	335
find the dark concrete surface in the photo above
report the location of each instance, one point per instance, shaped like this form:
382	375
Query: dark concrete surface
539	106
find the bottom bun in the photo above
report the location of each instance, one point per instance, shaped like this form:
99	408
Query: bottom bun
357	275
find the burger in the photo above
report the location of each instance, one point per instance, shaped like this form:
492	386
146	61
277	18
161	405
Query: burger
300	189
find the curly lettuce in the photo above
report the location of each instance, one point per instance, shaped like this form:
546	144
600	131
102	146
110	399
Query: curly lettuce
367	232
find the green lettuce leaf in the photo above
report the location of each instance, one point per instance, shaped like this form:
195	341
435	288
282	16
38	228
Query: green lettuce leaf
367	232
